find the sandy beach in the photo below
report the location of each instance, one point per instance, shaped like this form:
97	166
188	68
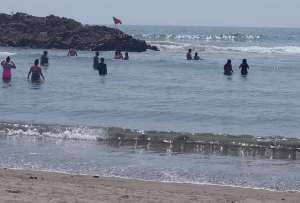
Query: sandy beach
39	187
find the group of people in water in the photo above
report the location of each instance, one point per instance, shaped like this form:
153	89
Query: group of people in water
101	67
228	70
244	67
35	71
189	56
119	55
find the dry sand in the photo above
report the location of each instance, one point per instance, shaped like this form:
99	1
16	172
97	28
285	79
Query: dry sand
43	187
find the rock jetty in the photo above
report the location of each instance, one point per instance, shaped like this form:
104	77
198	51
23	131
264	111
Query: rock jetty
53	32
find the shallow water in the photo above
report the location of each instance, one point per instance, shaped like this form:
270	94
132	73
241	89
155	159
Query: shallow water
160	91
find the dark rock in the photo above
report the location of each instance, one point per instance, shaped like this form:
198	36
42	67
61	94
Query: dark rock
23	30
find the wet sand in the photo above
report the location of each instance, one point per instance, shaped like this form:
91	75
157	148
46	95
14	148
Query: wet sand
18	186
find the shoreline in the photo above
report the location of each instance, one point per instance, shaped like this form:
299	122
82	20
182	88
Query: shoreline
18	185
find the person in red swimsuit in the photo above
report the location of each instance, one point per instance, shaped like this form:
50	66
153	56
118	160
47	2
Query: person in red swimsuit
7	65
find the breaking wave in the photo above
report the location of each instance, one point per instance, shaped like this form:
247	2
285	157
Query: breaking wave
200	37
3	53
113	134
258	49
169	45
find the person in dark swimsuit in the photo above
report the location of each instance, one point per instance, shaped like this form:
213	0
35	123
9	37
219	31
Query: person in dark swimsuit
35	72
126	56
228	68
102	68
189	55
244	67
45	59
196	57
96	60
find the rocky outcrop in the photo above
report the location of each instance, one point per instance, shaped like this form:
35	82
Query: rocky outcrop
23	30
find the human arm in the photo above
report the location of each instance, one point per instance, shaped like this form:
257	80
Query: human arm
13	65
42	75
30	71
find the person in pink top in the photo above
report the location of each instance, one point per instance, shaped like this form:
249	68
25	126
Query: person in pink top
7	65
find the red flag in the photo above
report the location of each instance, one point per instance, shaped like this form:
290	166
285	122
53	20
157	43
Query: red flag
117	20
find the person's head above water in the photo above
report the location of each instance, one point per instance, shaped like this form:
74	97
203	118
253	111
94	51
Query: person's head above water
97	53
36	62
102	60
45	53
8	59
190	50
244	60
229	61
196	54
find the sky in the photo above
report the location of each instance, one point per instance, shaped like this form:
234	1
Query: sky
245	13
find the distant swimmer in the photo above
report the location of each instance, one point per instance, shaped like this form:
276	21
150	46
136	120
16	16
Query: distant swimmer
118	54
244	67
196	57
35	72
228	68
45	59
72	52
7	65
102	68
126	56
189	55
96	60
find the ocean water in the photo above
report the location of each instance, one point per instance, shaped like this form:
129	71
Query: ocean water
160	91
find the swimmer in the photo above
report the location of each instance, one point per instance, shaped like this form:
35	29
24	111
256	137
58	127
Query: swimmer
7	65
96	60
196	57
244	67
72	52
126	56
45	59
228	68
102	67
189	55
36	72
118	54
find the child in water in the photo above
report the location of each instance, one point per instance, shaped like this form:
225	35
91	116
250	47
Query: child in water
244	67
7	65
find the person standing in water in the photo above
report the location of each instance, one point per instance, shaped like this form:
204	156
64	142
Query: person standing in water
244	67
196	57
189	55
45	59
126	56
228	68
102	68
72	52
35	72
7	65
118	54
96	60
